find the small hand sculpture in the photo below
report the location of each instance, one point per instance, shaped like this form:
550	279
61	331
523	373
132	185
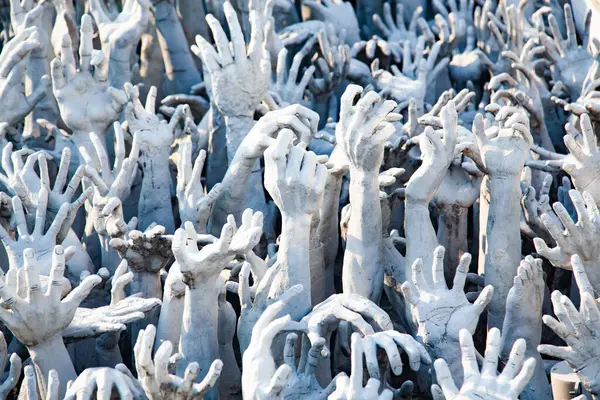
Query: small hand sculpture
287	88
194	205
347	388
579	329
261	379
29	385
333	65
42	242
12	72
576	237
487	384
123	309
14	372
121	36
397	32
303	378
147	251
102	381
110	186
154	376
338	13
389	341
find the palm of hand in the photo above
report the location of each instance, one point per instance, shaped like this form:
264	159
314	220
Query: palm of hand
150	131
303	384
240	92
584	173
572	69
96	110
458	188
441	314
43	246
122	32
505	154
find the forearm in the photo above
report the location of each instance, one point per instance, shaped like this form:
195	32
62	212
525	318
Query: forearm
46	108
233	193
362	271
82	139
217	148
169	322
155	197
199	339
180	69
293	255
329	219
109	258
146	283
452	234
421	239
503	243
52	354
119	67
237	127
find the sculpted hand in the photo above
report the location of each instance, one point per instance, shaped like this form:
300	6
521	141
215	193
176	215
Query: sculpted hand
347	388
441	312
194	205
42	242
14	372
49	315
437	154
296	182
338	13
86	101
364	128
202	267
261	378
302	121
397	31
579	329
147	251
288	89
572	237
154	376
487	384
234	70
333	65
123	309
13	61
102	381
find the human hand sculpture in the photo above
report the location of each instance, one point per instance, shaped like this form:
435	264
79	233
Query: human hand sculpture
437	328
40	239
14	374
485	384
121	36
340	14
12	72
71	87
103	380
261	378
194	205
347	388
396	31
153	372
572	237
287	88
236	70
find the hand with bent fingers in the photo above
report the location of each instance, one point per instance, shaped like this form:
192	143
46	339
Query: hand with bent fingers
287	88
154	376
121	36
573	237
333	64
86	101
261	378
193	204
487	384
14	374
13	61
347	388
579	329
102	380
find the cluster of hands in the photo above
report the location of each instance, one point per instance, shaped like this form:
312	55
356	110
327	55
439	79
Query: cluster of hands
331	199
